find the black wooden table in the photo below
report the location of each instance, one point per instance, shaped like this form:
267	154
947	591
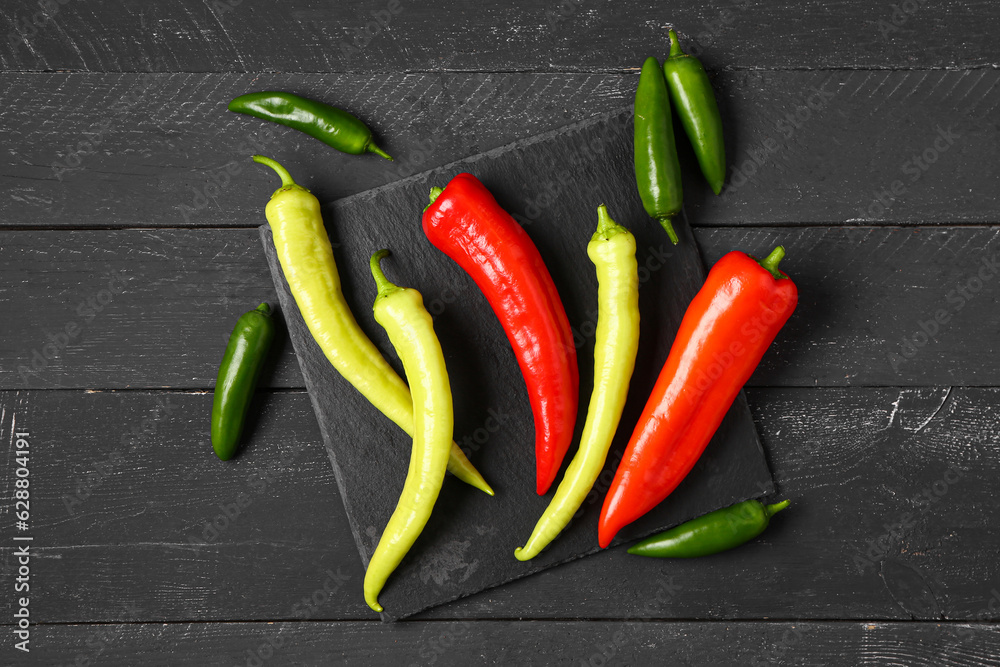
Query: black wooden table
862	136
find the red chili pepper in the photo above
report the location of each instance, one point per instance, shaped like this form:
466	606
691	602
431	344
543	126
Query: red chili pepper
725	332
465	222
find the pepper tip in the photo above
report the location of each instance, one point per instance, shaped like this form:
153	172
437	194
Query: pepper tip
669	228
372	148
776	507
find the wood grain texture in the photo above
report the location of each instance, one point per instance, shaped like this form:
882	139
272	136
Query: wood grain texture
474	536
805	147
861	540
561	643
864	292
398	35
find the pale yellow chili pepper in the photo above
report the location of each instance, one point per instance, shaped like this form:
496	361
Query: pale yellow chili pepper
612	250
411	331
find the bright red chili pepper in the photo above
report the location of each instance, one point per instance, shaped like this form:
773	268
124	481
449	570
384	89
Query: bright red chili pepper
725	332
465	222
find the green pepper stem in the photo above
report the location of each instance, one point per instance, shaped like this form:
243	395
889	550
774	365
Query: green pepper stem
771	510
381	282
604	222
435	193
372	148
286	178
771	262
665	222
675	45
264	308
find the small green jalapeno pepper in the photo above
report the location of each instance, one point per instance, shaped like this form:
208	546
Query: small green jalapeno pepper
411	331
709	534
334	127
241	364
657	169
691	93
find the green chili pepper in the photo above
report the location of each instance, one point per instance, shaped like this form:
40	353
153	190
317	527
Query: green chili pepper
334	127
241	364
691	93
306	259
612	249
709	534
411	331
657	169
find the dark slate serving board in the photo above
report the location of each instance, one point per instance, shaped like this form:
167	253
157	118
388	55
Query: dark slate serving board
553	184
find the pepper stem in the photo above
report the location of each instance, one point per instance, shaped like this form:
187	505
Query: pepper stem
264	308
381	282
675	45
286	178
604	222
372	148
771	262
771	510
435	193
665	222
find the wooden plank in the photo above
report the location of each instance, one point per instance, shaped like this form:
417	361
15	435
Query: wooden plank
249	36
864	293
491	643
806	147
477	537
862	540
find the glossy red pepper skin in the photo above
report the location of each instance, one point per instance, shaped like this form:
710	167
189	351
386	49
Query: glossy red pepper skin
725	332
466	223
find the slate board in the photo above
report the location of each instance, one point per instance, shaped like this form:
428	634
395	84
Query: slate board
552	184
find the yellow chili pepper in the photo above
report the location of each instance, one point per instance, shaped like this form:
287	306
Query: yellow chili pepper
612	250
306	259
411	331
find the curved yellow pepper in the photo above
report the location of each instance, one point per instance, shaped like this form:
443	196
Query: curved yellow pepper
411	331
612	250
